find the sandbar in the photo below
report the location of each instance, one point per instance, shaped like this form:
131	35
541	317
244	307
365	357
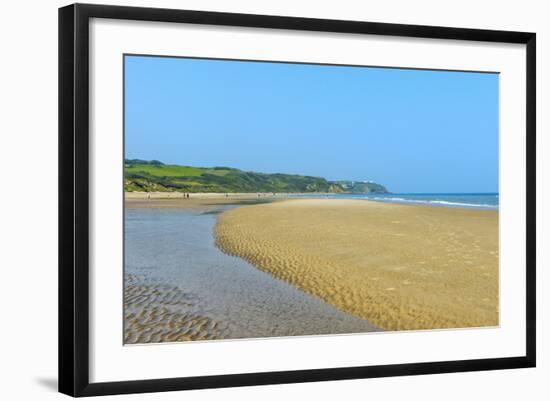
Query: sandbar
401	267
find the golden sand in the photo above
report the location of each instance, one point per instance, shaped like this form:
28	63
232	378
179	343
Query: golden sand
401	267
200	203
155	313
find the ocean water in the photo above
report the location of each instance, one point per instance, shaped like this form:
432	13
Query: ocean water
488	201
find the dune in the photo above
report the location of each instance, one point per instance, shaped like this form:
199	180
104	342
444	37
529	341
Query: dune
401	267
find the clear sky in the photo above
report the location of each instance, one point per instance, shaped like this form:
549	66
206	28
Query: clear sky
413	131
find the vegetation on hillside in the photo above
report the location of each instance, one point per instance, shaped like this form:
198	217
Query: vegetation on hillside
362	187
155	176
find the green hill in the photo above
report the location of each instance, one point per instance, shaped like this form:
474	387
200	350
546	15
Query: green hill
362	187
154	176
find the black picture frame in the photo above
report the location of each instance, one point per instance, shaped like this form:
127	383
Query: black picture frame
74	192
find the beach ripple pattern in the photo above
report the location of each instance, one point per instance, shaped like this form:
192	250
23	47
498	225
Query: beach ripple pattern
400	267
156	312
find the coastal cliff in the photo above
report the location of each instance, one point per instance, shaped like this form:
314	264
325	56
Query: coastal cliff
155	176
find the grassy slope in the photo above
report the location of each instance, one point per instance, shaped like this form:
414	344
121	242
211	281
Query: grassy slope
153	176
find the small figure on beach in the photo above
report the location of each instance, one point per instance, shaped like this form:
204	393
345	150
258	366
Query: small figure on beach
148	195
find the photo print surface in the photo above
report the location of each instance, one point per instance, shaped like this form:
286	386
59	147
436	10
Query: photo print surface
272	199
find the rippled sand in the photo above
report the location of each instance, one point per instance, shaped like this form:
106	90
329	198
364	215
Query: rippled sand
180	287
398	266
163	313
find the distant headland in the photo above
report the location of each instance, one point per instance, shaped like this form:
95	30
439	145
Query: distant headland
155	176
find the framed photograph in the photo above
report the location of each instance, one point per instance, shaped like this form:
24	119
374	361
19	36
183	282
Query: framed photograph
251	199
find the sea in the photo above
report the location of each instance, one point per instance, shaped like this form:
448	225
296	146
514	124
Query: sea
488	201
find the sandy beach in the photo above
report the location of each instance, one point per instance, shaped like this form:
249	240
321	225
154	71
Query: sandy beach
401	267
179	286
204	201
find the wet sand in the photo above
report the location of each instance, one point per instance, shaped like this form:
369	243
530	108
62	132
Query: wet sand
156	312
202	203
203	197
400	267
179	286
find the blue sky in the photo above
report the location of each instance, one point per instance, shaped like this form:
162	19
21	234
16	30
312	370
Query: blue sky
410	130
